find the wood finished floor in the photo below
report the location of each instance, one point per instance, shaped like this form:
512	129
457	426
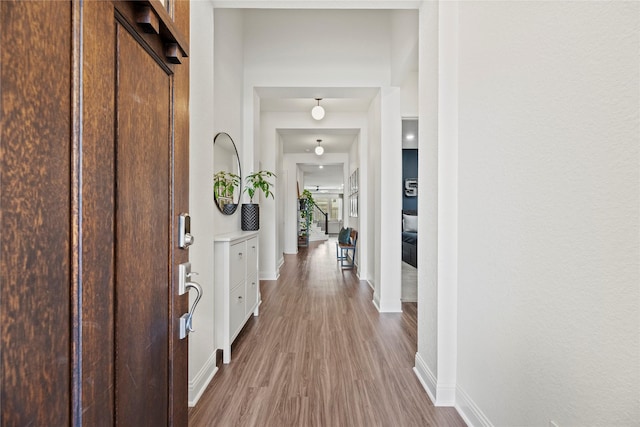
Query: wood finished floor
320	354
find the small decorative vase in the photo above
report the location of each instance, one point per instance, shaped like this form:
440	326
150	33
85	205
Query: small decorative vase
250	216
229	208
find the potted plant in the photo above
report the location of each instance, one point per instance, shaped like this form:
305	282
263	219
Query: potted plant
306	205
255	182
224	185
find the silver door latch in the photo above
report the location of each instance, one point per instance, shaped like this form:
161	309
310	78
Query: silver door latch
186	320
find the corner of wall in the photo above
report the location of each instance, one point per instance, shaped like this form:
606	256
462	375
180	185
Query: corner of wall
469	411
425	376
269	275
199	383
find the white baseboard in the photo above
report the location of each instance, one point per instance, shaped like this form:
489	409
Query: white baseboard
440	394
269	275
469	411
426	377
199	384
445	395
390	306
371	285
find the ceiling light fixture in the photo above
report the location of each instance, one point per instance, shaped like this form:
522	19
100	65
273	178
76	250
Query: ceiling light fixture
319	148
317	112
320	167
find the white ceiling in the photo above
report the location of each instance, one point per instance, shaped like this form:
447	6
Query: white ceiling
335	100
295	99
302	100
306	140
329	178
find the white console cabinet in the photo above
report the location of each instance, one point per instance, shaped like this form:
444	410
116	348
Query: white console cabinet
236	285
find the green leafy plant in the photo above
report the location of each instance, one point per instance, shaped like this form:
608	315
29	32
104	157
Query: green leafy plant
306	205
225	183
258	181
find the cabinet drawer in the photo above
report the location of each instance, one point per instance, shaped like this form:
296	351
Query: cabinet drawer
238	262
252	292
237	309
252	256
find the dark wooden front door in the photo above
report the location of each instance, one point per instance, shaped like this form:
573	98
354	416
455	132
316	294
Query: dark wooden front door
94	146
143	223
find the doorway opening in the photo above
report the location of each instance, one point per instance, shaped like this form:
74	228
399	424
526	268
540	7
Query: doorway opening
409	210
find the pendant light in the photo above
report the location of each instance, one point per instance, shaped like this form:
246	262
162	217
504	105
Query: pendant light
319	148
317	112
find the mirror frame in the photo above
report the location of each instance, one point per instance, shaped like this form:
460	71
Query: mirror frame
237	192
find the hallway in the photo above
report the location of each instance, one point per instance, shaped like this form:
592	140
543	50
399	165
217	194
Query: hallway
320	354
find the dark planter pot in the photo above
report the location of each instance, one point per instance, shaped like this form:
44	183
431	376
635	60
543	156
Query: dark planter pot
229	208
250	216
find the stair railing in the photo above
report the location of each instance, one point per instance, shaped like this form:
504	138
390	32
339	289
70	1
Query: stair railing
318	214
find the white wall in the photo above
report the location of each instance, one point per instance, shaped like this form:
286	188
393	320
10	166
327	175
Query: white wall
404	44
426	363
548	294
409	92
281	203
317	47
216	104
354	163
228	96
389	205
372	148
201	206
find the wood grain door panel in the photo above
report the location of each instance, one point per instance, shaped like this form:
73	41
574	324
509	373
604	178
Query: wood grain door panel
93	171
35	203
143	105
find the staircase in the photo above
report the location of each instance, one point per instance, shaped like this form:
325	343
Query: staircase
316	233
313	227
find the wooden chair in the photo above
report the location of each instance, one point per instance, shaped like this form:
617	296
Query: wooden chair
342	251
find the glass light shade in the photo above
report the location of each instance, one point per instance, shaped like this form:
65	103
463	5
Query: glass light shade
319	150
317	112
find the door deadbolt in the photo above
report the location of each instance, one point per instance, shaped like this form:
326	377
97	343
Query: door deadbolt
185	238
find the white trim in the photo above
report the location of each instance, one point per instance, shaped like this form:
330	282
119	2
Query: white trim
199	383
390	306
440	394
469	411
271	275
447	250
375	303
446	395
425	376
371	285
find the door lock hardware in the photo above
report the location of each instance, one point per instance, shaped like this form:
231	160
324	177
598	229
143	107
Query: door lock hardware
186	320
185	238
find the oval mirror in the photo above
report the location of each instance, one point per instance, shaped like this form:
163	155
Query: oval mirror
227	178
